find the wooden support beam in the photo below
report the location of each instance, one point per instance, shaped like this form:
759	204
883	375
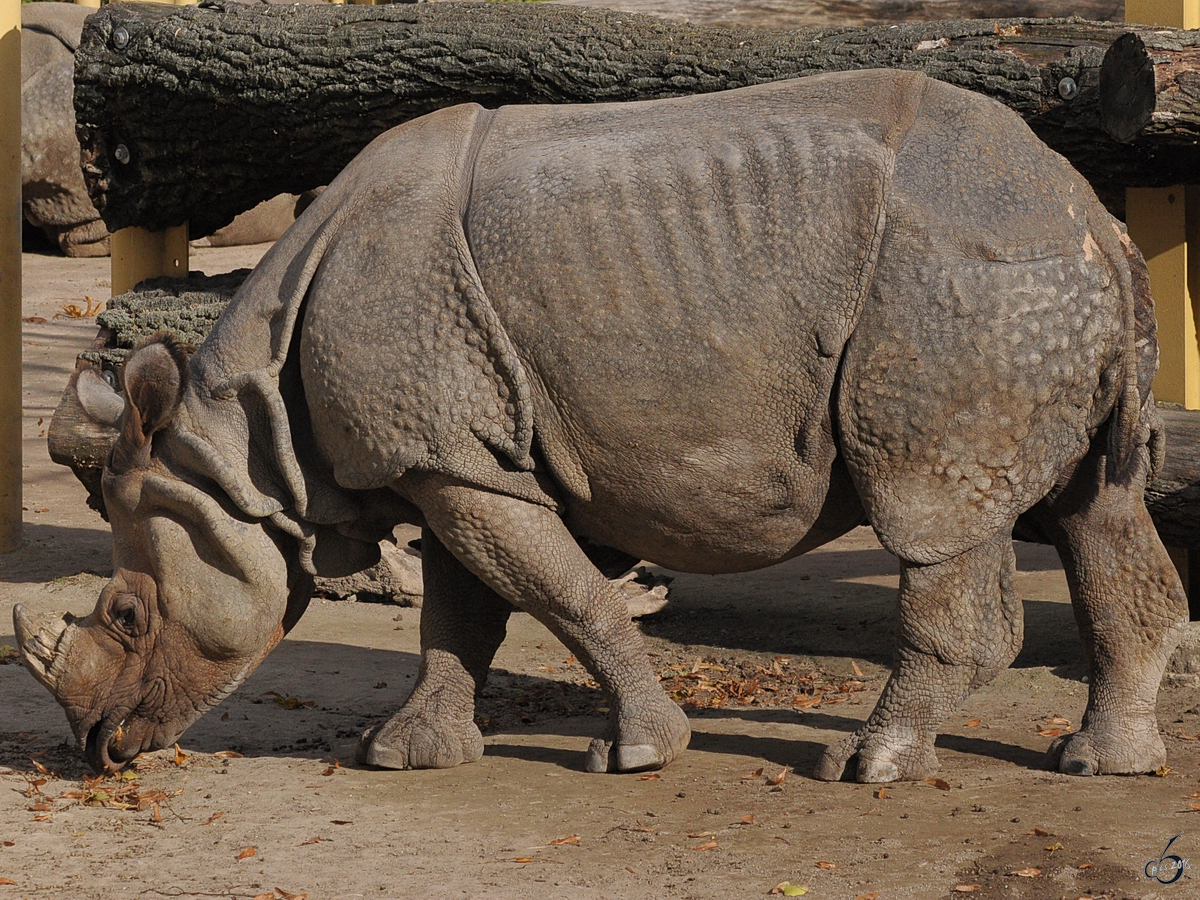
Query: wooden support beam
10	275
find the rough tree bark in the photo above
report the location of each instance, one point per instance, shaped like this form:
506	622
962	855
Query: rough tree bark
197	113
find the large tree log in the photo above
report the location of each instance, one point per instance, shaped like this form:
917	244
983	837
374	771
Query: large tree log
196	113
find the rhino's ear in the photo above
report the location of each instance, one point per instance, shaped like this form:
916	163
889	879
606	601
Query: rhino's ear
155	376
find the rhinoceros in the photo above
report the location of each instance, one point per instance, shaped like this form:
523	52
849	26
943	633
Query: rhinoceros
712	332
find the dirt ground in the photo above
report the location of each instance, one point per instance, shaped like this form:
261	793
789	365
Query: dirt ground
262	797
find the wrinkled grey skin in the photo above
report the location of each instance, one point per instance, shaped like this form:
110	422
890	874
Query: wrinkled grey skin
712	332
53	195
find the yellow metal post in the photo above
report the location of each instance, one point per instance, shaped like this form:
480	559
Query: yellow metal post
138	254
10	275
1171	13
1165	224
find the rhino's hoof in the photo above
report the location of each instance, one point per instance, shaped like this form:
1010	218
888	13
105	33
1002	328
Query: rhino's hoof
1088	753
649	744
878	758
406	742
605	756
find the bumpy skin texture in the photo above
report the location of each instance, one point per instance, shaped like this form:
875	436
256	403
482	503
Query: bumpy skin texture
712	332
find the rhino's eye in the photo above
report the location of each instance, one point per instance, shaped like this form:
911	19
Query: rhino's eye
124	614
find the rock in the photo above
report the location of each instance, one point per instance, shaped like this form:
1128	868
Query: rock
396	578
1186	658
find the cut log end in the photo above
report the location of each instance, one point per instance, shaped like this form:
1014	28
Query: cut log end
1127	89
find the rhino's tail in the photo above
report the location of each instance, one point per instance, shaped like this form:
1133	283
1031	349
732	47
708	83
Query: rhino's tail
1135	421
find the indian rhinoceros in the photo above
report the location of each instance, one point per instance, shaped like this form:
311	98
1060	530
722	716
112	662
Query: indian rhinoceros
712	332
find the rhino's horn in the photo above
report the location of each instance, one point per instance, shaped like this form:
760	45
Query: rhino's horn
40	644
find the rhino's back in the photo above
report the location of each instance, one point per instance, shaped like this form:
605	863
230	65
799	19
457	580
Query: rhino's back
680	278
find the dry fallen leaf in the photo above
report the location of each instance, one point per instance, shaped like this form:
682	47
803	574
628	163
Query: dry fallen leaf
284	895
7	881
857	670
778	779
1162	771
1040	832
314	840
649	776
1030	872
270	896
1057	720
966	888
757	773
341	821
1194	806
1086	865
938	783
973	723
1055	846
880	793
826	865
213	818
707	845
41	768
329	771
789	890
228	754
1049	732
569	839
180	756
247	853
874	895
156	815
43	818
522	859
747	820
806	702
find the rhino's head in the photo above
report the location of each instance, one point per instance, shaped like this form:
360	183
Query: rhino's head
198	597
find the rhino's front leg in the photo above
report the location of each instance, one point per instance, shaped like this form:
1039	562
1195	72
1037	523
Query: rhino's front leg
525	554
960	624
462	625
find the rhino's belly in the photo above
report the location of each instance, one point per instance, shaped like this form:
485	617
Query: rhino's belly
707	511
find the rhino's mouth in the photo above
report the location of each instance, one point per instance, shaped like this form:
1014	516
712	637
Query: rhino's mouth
99	744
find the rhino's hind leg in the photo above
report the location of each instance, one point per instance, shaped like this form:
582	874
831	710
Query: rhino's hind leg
524	552
1131	611
960	624
462	625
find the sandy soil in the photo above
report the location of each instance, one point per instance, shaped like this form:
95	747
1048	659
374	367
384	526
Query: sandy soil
526	820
